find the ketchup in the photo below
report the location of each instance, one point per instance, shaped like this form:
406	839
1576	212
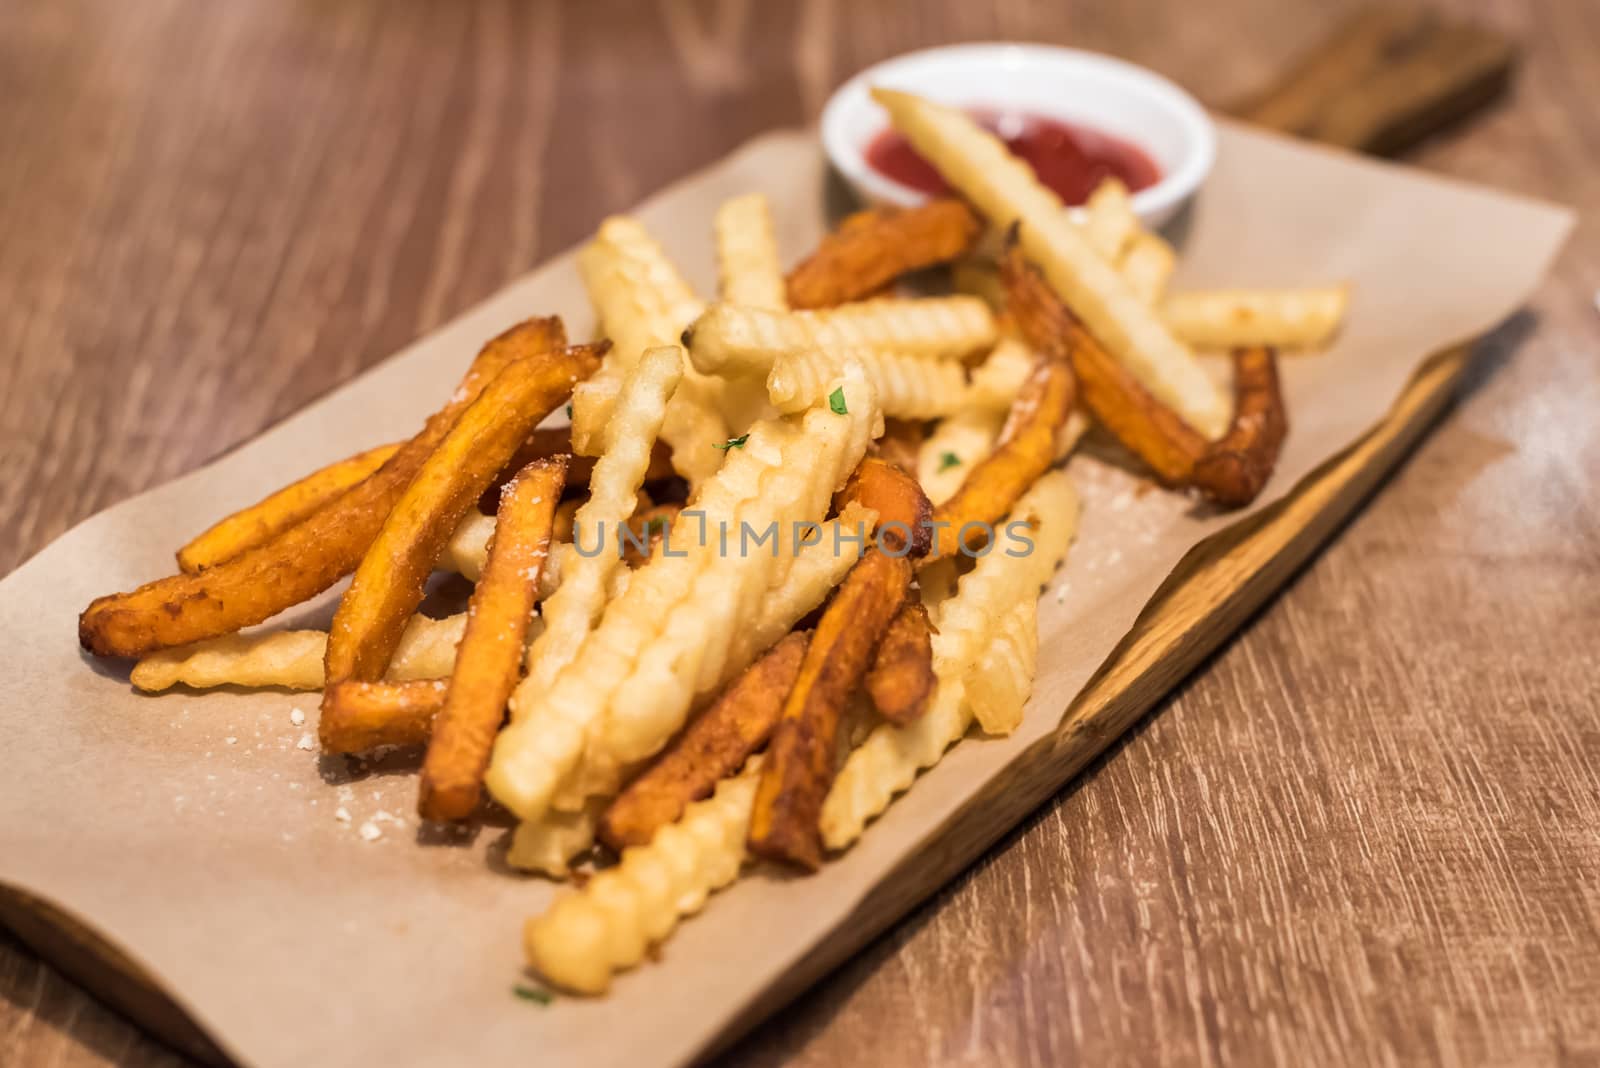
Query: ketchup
1069	158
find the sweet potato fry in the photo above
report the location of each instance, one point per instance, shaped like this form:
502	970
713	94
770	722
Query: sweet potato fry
877	247
359	716
904	513
799	767
1026	449
387	586
712	747
901	680
1132	414
249	527
489	660
312	555
1236	467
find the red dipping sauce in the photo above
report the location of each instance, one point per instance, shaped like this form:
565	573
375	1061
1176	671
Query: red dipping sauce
1069	158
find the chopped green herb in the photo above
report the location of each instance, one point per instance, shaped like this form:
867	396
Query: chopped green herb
569	411
733	443
530	993
836	402
654	524
947	460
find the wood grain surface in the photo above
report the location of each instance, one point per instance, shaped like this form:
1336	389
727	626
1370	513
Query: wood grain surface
1367	832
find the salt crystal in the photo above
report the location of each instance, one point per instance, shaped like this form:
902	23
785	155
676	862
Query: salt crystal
342	814
371	832
307	741
231	740
297	717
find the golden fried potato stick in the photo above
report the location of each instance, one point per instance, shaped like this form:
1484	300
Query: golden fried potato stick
956	445
1146	427
1234	318
361	716
999	378
1146	266
998	685
646	530
748	269
908	387
489	660
799	767
548	844
1026	449
1006	191
310	556
249	527
388	584
901	679
1234	469
878	247
710	748
1109	223
903	509
620	913
292	659
892	756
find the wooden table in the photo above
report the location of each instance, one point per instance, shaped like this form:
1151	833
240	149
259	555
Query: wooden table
1367	831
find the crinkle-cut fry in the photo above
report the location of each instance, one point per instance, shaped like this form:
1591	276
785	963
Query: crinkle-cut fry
733	340
956	445
1006	191
1236	468
1027	447
611	923
1109	224
1147	265
748	269
878	247
249	527
889	760
308	557
999	378
549	727
388	584
1146	427
801	756
908	387
1235	318
361	716
573	610
489	659
998	685
291	659
712	747
689	658
901	679
548	844
592	400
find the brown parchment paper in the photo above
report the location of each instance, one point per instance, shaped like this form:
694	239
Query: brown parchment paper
202	834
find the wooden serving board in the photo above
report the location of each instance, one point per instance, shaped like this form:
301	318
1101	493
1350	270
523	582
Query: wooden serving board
1216	588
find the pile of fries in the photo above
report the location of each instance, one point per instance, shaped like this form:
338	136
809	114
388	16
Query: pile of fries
657	702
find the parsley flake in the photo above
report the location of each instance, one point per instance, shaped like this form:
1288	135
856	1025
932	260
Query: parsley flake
534	994
836	402
947	460
733	443
569	411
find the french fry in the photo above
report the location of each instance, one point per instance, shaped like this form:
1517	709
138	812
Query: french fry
901	679
1109	223
878	247
1006	191
388	584
902	508
958	443
1236	468
548	844
731	340
1027	447
249	527
747	254
291	659
644	302
1146	266
892	756
1236	318
711	748
489	660
908	387
312	555
646	531
799	766
361	716
609	925
997	381
575	607
998	685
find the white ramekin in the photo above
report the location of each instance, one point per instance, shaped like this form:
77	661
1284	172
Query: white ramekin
1098	91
